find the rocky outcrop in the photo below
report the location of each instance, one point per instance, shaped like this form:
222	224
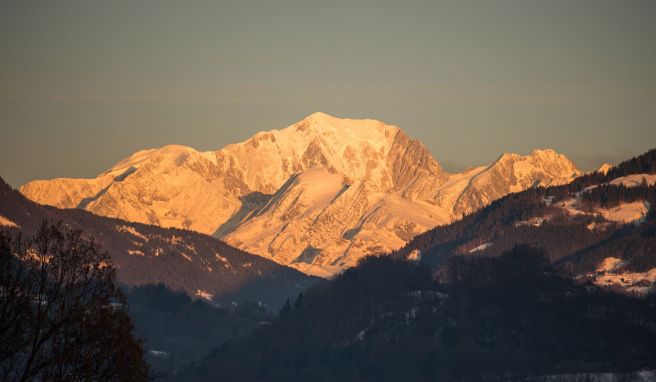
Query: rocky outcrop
514	173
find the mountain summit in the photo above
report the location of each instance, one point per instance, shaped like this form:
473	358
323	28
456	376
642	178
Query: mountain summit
318	195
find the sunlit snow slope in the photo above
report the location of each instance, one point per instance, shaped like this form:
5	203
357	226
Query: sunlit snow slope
318	195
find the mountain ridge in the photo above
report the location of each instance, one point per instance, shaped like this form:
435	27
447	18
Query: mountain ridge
198	264
391	190
598	228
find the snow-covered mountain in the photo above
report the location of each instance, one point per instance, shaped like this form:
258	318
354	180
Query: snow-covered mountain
598	228
514	173
604	168
318	195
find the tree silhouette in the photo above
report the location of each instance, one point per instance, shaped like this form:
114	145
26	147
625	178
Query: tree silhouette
62	318
286	309
298	304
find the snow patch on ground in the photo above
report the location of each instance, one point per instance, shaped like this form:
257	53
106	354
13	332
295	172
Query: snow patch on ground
597	226
637	282
610	264
132	231
187	257
159	354
633	212
33	254
481	247
634	180
532	222
135	252
415	255
175	240
223	260
200	293
7	223
570	206
625	212
325	271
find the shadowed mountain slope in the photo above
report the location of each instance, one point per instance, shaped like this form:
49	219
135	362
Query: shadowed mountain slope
200	265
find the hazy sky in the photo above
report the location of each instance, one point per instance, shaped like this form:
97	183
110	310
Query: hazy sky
84	84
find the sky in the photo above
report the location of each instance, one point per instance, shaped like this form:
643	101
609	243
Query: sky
84	84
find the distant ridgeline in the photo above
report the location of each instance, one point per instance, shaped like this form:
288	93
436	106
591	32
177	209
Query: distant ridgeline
600	227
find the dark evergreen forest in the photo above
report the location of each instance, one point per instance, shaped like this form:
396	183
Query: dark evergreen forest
509	317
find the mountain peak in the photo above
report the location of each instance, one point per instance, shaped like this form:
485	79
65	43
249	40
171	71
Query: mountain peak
604	168
319	119
545	153
513	173
326	123
506	157
541	155
549	155
320	116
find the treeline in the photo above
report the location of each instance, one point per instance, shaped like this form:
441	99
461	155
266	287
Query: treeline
641	164
490	318
438	243
636	245
608	195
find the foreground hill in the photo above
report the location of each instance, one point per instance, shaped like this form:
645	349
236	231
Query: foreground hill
317	195
508	318
601	227
200	265
180	331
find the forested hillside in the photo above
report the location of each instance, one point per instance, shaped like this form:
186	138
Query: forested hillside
179	330
490	318
598	217
201	265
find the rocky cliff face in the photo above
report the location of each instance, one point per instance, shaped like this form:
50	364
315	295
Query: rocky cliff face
514	173
318	195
